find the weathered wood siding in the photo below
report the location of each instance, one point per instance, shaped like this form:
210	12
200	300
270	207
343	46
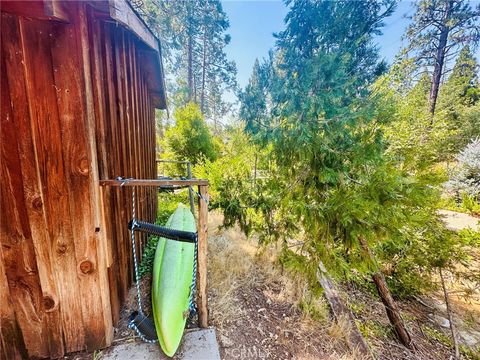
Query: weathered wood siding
75	108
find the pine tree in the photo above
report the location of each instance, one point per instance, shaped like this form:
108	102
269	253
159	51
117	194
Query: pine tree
253	108
462	85
190	139
459	101
193	35
438	30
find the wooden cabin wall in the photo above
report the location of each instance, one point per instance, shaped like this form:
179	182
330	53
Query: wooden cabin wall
75	108
126	138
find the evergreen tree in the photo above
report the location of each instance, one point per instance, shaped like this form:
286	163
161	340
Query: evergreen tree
253	108
459	103
462	86
324	131
439	28
193	35
190	139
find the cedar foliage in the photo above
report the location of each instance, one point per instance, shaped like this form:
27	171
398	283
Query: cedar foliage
190	139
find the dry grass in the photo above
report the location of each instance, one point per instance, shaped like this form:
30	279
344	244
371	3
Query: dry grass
254	305
239	268
236	261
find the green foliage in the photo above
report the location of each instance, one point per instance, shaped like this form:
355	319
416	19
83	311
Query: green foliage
190	139
332	175
194	37
416	139
437	335
333	178
470	237
467	204
334	149
471	204
240	184
167	203
253	108
456	19
375	329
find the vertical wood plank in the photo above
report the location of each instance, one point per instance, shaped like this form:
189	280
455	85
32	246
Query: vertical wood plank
116	160
202	299
33	194
12	259
71	69
48	142
124	263
132	119
94	191
11	337
103	140
139	143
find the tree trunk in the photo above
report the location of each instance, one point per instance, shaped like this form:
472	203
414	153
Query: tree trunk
356	340
450	316
190	68
255	174
204	70
439	59
189	53
387	299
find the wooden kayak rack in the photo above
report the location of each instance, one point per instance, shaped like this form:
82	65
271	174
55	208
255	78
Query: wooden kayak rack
202	221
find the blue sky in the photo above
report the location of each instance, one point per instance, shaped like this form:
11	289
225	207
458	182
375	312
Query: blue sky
252	24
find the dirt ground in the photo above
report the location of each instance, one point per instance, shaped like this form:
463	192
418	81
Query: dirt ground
255	310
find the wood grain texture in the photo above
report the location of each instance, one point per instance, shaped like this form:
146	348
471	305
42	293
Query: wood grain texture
202	293
44	10
47	134
76	110
32	189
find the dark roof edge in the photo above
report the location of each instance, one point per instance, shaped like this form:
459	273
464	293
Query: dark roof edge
123	12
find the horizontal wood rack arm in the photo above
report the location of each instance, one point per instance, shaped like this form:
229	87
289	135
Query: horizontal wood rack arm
153	182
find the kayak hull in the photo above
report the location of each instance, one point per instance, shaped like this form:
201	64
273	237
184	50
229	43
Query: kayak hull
171	281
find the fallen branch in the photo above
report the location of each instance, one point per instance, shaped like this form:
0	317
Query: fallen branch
356	340
450	316
420	301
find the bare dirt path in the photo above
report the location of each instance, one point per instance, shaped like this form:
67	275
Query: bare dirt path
457	221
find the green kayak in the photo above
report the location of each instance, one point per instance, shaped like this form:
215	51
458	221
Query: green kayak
172	278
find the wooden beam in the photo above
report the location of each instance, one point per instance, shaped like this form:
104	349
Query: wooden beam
173	161
153	182
122	12
43	10
202	294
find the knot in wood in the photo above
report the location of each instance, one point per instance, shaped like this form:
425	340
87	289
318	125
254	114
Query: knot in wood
61	248
37	203
86	267
83	166
49	303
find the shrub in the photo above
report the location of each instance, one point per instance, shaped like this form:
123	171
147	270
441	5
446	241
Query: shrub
465	178
190	139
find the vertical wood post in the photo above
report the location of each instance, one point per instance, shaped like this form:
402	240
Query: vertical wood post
190	191
202	257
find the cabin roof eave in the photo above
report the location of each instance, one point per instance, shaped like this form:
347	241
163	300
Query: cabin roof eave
119	11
